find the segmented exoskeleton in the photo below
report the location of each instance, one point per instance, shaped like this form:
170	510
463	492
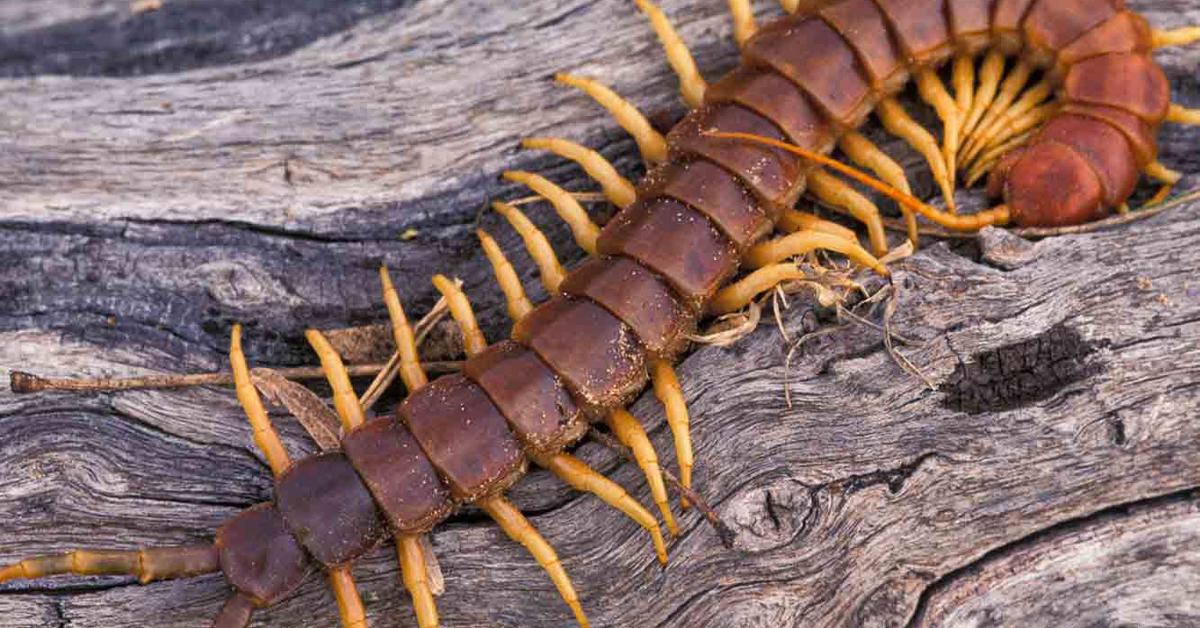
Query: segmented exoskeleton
1060	152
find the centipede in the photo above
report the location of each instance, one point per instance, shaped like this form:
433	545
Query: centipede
1055	105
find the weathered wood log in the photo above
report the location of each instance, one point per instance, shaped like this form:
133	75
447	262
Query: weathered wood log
166	173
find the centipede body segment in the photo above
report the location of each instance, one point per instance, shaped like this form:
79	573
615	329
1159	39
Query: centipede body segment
1063	150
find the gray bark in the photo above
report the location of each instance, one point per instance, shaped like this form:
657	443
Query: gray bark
167	173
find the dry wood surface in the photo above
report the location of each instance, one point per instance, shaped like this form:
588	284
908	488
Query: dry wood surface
164	173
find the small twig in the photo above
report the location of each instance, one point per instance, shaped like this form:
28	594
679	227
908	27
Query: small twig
388	373
22	382
889	310
724	532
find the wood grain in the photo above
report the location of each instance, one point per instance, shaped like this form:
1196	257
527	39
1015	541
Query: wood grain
174	171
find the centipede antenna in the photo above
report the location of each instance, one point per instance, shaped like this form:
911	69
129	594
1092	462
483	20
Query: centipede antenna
741	293
1009	89
350	606
460	308
691	84
147	565
536	245
651	144
1175	37
569	209
991	71
345	400
1011	119
838	193
617	189
933	91
416	579
411	372
998	215
744	26
865	153
1182	115
265	436
631	434
236	612
897	122
519	529
793	220
510	284
802	242
670	394
581	477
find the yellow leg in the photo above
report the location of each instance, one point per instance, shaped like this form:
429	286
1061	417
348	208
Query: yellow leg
651	143
963	78
802	242
691	84
743	20
984	164
670	394
1183	115
738	295
345	401
460	308
990	73
865	153
790	6
1166	176
518	528
514	292
1006	120
631	433
897	122
933	91
617	189
1177	37
569	209
836	192
406	343
793	220
416	580
583	478
350	605
536	244
265	436
1009	89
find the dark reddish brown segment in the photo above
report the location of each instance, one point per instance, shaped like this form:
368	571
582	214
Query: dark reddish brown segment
778	100
328	508
259	556
920	29
464	436
1124	32
1132	82
403	482
863	26
1104	147
596	354
1007	16
970	24
639	298
530	395
1051	185
771	173
1137	133
676	242
1052	25
714	192
811	54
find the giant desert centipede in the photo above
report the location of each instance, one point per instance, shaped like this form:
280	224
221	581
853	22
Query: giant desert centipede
1062	151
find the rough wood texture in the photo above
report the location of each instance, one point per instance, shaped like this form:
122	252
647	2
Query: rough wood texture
223	161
